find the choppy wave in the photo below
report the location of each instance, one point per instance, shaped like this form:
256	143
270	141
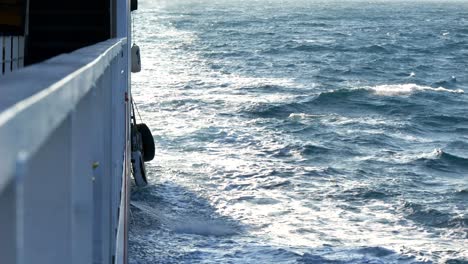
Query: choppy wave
463	193
375	49
383	90
344	98
452	159
302	132
387	90
407	89
440	160
433	217
436	159
311	47
363	193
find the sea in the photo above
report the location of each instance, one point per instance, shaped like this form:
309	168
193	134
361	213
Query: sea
302	131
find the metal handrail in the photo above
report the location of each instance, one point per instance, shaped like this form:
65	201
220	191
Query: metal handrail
54	87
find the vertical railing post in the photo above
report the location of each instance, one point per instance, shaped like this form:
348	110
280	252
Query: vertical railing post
21	52
2	58
7	58
14	53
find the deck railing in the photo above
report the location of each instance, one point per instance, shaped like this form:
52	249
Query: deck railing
63	133
11	54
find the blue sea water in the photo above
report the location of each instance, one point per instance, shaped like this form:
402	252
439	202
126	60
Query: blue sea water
294	131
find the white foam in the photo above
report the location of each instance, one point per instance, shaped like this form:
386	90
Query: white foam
407	89
297	116
205	228
335	119
411	156
187	225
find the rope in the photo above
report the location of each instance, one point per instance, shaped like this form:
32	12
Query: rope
135	106
138	111
133	28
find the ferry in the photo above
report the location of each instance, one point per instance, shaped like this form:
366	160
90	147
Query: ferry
69	139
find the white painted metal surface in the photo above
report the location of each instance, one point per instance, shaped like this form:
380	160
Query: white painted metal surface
63	135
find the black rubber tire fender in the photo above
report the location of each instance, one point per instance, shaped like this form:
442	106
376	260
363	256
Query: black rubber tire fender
140	180
143	172
148	142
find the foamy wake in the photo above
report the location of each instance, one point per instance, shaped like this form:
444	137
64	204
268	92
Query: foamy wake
407	89
186	224
204	228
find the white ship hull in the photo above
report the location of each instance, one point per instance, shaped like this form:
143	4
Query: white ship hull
65	154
